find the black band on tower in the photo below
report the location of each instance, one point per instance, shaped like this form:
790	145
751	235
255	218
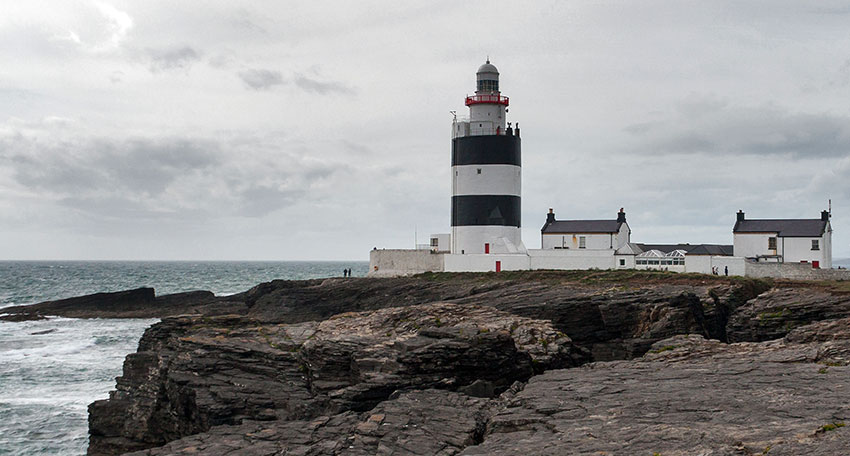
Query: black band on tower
501	210
486	150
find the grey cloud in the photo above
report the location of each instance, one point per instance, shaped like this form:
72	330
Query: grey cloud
313	85
259	200
724	129
261	79
172	59
169	178
106	166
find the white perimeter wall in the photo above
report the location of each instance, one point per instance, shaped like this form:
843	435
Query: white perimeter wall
704	263
571	259
391	263
485	263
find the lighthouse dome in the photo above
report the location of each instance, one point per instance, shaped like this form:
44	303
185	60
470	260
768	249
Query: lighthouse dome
487	68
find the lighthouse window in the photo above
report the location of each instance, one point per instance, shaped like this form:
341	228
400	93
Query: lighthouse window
479	170
488	85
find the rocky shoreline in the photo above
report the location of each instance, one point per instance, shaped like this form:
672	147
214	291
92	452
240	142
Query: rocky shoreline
594	362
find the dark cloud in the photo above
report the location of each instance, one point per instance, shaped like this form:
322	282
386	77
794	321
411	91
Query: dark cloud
313	85
85	166
172	59
261	79
168	178
720	128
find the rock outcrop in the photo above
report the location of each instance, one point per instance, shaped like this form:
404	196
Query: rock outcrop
430	422
138	303
192	372
438	364
688	396
774	314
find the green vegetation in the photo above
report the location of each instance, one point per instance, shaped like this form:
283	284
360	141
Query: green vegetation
831	426
664	349
823	370
774	315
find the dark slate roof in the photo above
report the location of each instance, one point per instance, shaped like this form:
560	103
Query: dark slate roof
784	227
711	249
582	226
691	249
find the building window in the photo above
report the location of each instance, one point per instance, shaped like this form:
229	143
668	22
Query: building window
479	170
434	242
622	262
771	243
582	242
815	244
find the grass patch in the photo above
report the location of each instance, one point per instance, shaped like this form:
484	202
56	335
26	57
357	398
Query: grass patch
774	315
664	349
831	426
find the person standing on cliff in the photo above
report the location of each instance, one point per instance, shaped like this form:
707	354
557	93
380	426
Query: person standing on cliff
726	271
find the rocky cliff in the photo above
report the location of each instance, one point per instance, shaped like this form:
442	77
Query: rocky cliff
534	362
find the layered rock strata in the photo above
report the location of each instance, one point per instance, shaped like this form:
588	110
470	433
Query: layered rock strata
192	372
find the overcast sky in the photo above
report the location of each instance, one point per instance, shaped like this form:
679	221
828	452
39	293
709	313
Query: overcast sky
286	130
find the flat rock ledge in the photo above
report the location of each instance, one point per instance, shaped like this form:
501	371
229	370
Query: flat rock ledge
689	396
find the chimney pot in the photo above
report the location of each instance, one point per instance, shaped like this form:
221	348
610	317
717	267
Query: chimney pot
740	215
550	217
621	216
824	216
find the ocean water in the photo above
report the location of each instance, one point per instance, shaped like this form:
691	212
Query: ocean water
51	370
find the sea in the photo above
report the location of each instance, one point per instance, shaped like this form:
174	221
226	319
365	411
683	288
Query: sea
51	370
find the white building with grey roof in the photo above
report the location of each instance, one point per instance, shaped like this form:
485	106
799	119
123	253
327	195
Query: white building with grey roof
807	241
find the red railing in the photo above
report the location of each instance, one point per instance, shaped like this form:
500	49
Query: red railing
494	99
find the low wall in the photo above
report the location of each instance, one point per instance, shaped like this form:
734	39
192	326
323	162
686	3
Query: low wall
796	271
571	259
704	263
398	262
485	263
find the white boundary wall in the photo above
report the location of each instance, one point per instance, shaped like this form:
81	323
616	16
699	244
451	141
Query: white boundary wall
571	259
704	263
397	262
485	263
794	271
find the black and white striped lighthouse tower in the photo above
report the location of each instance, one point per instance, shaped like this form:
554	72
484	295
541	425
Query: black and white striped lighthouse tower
486	173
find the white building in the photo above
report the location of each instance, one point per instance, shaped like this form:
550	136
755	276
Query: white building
785	240
585	234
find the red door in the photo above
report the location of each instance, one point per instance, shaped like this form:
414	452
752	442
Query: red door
815	264
487	248
498	266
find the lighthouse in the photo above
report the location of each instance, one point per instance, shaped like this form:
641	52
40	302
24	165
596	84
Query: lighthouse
486	173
